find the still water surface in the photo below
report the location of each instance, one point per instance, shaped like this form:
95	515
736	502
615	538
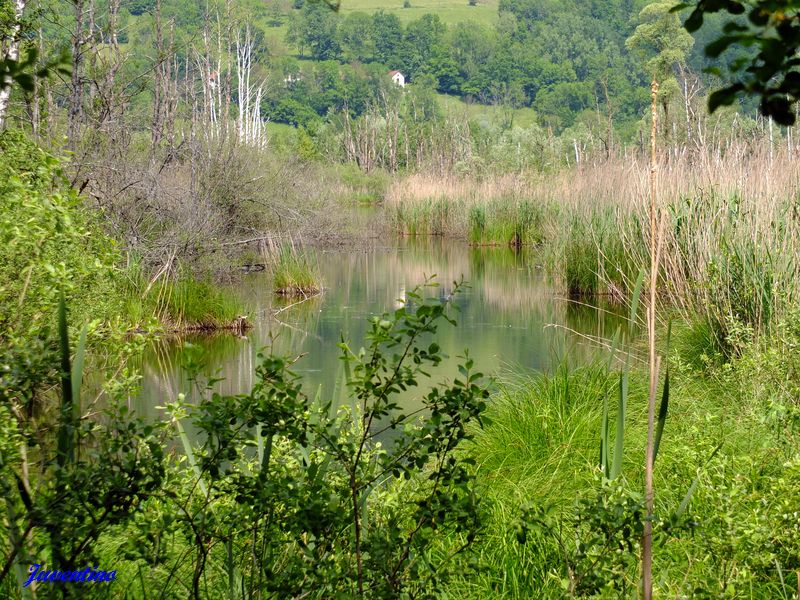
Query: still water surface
511	317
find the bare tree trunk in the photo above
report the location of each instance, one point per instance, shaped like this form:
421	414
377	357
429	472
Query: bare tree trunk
90	54
12	53
156	128
76	87
228	58
49	103
36	100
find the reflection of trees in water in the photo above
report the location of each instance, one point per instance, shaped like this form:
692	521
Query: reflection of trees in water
598	317
505	317
164	376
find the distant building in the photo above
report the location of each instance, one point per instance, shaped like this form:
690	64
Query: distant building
398	78
291	79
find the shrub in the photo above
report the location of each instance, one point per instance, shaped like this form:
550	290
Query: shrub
287	496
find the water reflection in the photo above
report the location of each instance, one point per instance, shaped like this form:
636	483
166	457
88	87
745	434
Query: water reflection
510	316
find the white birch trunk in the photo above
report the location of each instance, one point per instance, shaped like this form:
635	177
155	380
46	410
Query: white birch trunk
11	53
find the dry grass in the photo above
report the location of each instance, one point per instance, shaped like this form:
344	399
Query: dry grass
743	169
731	245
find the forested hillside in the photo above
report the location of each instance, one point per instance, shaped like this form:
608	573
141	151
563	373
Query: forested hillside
568	61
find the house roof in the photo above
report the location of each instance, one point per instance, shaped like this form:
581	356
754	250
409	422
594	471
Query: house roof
393	73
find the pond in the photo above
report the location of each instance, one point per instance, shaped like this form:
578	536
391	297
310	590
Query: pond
510	318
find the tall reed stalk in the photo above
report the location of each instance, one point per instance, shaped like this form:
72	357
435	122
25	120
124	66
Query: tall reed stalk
647	535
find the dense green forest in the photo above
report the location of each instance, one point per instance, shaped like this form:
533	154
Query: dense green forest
399	299
568	61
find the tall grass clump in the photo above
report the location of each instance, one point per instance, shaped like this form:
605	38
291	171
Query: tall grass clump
539	448
294	272
581	264
199	304
429	216
541	426
177	301
731	262
505	221
500	221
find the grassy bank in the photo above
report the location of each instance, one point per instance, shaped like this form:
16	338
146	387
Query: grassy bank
179	302
555	523
55	246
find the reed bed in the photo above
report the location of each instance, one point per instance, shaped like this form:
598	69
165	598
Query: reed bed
731	229
746	169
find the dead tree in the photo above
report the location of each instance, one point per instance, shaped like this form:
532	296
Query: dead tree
9	50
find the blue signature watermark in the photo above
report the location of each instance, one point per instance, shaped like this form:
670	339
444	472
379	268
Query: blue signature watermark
40	574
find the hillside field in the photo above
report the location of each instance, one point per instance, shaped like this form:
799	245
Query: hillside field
449	11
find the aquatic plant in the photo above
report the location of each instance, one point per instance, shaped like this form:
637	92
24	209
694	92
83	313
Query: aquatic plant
293	270
177	301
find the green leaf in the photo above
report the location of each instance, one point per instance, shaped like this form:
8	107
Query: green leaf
637	293
619	445
66	444
664	406
695	21
718	46
724	97
77	368
688	497
662	416
604	437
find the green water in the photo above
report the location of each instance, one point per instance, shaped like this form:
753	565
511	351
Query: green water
511	317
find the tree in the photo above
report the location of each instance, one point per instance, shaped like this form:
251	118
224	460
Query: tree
315	28
421	43
138	7
773	28
663	45
387	32
355	37
10	39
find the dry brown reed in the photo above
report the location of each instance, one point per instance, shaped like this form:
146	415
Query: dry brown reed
748	170
731	233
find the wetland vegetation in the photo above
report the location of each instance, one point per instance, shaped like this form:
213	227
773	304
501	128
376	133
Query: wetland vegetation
273	326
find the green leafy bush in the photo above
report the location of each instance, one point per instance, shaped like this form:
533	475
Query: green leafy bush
49	243
298	497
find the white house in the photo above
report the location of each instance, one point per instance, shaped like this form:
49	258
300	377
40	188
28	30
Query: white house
398	78
291	79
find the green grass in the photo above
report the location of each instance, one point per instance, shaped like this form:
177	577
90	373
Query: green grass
454	105
501	222
449	11
179	303
541	448
506	221
200	304
294	272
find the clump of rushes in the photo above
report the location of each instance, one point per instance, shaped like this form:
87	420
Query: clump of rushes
179	302
501	221
293	272
581	262
199	305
